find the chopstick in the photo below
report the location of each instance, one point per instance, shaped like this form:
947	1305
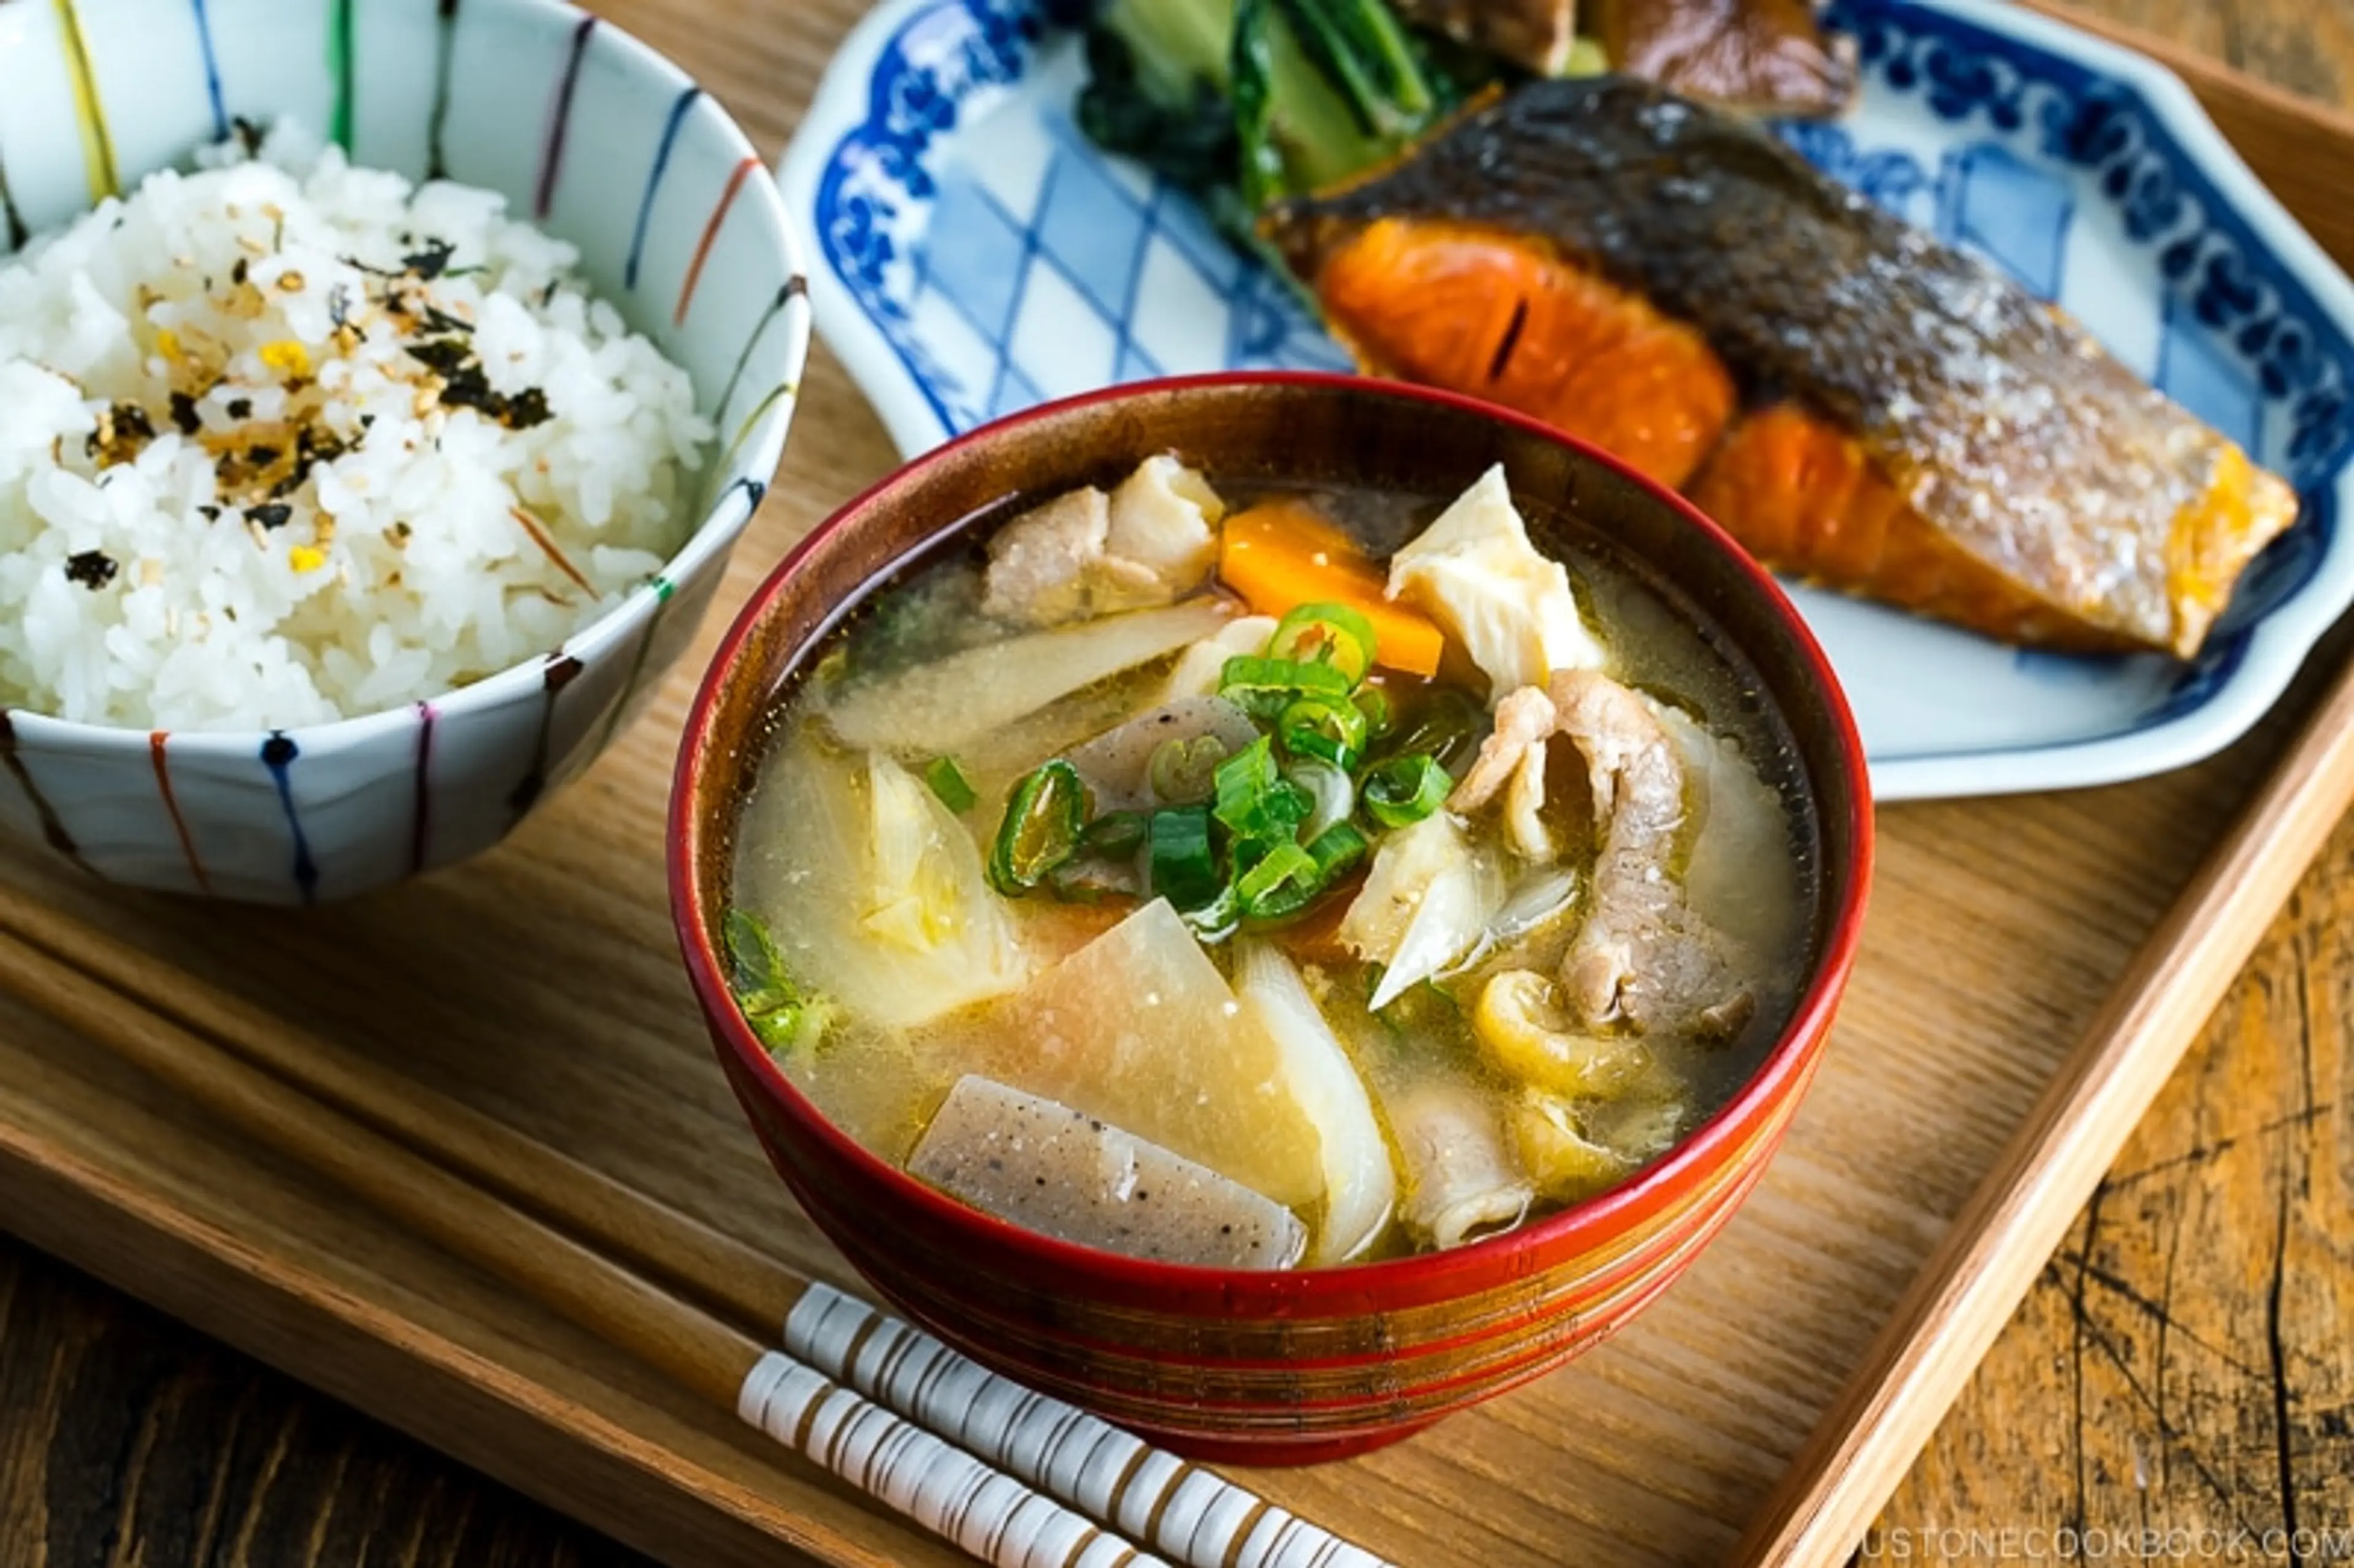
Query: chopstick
988	1513
1195	1516
1970	1287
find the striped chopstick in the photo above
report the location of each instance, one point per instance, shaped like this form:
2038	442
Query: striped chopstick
1194	1516
1189	1514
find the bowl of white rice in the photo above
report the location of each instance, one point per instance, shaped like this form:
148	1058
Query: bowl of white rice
382	391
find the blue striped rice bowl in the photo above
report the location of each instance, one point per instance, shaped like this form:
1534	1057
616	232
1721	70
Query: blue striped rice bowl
611	152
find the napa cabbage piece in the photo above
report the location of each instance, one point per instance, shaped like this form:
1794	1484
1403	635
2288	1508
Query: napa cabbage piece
1426	905
1140	1029
877	890
950	703
1475	572
1740	877
1360	1182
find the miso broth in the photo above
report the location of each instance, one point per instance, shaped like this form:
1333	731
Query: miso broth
1250	924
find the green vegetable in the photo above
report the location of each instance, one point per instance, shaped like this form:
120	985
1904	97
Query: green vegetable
751	953
1180	770
1173	82
1365	53
1337	851
1106	864
948	782
1173	47
1279	885
1374	703
1320	727
1184	868
1250	82
1259	808
1114	834
1218	919
1292	878
1142	100
783	1017
1405	789
1331	634
1043	818
1264	687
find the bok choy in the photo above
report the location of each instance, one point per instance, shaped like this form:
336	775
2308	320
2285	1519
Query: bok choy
1238	102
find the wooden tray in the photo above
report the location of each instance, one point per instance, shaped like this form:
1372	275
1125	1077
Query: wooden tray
541	986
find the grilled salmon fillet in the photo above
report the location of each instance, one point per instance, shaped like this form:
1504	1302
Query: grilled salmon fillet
1459	307
1859	403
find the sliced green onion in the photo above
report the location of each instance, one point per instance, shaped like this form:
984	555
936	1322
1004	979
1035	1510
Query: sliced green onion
948	782
1114	835
1180	770
1242	781
1184	867
1336	851
1405	789
1041	831
1330	731
1218	919
1258	806
1374	703
1292	878
1279	885
1331	634
1263	687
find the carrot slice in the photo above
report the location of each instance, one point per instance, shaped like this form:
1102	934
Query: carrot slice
1283	554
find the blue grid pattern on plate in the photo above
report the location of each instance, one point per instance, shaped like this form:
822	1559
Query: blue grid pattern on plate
1034	295
1050	284
2015	215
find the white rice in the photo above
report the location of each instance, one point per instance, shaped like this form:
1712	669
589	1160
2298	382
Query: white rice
168	583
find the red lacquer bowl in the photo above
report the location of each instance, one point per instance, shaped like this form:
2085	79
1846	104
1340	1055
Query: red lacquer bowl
1316	1363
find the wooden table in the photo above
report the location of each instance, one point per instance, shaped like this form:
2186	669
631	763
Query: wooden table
2184	1368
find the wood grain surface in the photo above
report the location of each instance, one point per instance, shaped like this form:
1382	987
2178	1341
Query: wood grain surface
2180	1384
2183	1365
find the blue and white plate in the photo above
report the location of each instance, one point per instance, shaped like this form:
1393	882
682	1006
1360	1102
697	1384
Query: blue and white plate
975	255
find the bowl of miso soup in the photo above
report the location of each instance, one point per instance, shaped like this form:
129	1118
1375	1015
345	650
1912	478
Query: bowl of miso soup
1272	907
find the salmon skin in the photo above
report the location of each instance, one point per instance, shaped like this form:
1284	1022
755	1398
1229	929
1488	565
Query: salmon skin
1856	401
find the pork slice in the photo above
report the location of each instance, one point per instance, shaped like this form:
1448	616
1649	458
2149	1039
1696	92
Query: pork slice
1643	956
